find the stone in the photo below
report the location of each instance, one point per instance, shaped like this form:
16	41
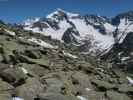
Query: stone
3	66
59	82
93	95
5	97
55	96
30	89
84	66
112	95
42	62
5	88
125	88
33	54
33	69
54	85
81	82
102	85
13	75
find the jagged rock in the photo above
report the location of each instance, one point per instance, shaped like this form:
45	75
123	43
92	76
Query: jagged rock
55	96
30	89
112	95
33	54
13	75
103	85
82	83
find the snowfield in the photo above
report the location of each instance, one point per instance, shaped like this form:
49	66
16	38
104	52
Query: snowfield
99	41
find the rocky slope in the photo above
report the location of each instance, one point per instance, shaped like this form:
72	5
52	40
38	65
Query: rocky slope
37	67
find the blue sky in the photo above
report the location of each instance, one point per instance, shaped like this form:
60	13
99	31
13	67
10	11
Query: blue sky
18	10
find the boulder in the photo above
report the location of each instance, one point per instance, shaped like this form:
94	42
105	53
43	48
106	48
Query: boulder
112	95
5	88
81	82
5	97
125	88
13	75
54	85
42	62
33	54
55	96
102	85
30	89
33	69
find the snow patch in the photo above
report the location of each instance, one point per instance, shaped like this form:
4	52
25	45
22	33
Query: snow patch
125	58
109	28
70	55
130	80
24	70
81	98
88	89
17	98
10	32
42	43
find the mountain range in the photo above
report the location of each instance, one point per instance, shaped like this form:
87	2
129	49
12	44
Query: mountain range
91	34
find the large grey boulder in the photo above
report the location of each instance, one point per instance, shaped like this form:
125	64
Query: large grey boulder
5	97
112	95
30	89
55	96
103	85
13	75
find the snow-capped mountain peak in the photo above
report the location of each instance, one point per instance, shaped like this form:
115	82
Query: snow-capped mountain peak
97	32
61	13
30	21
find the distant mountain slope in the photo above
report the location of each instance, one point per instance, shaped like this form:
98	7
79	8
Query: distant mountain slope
91	34
76	29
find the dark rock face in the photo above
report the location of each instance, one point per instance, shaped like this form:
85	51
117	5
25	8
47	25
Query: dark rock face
128	42
68	36
40	25
127	15
121	54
